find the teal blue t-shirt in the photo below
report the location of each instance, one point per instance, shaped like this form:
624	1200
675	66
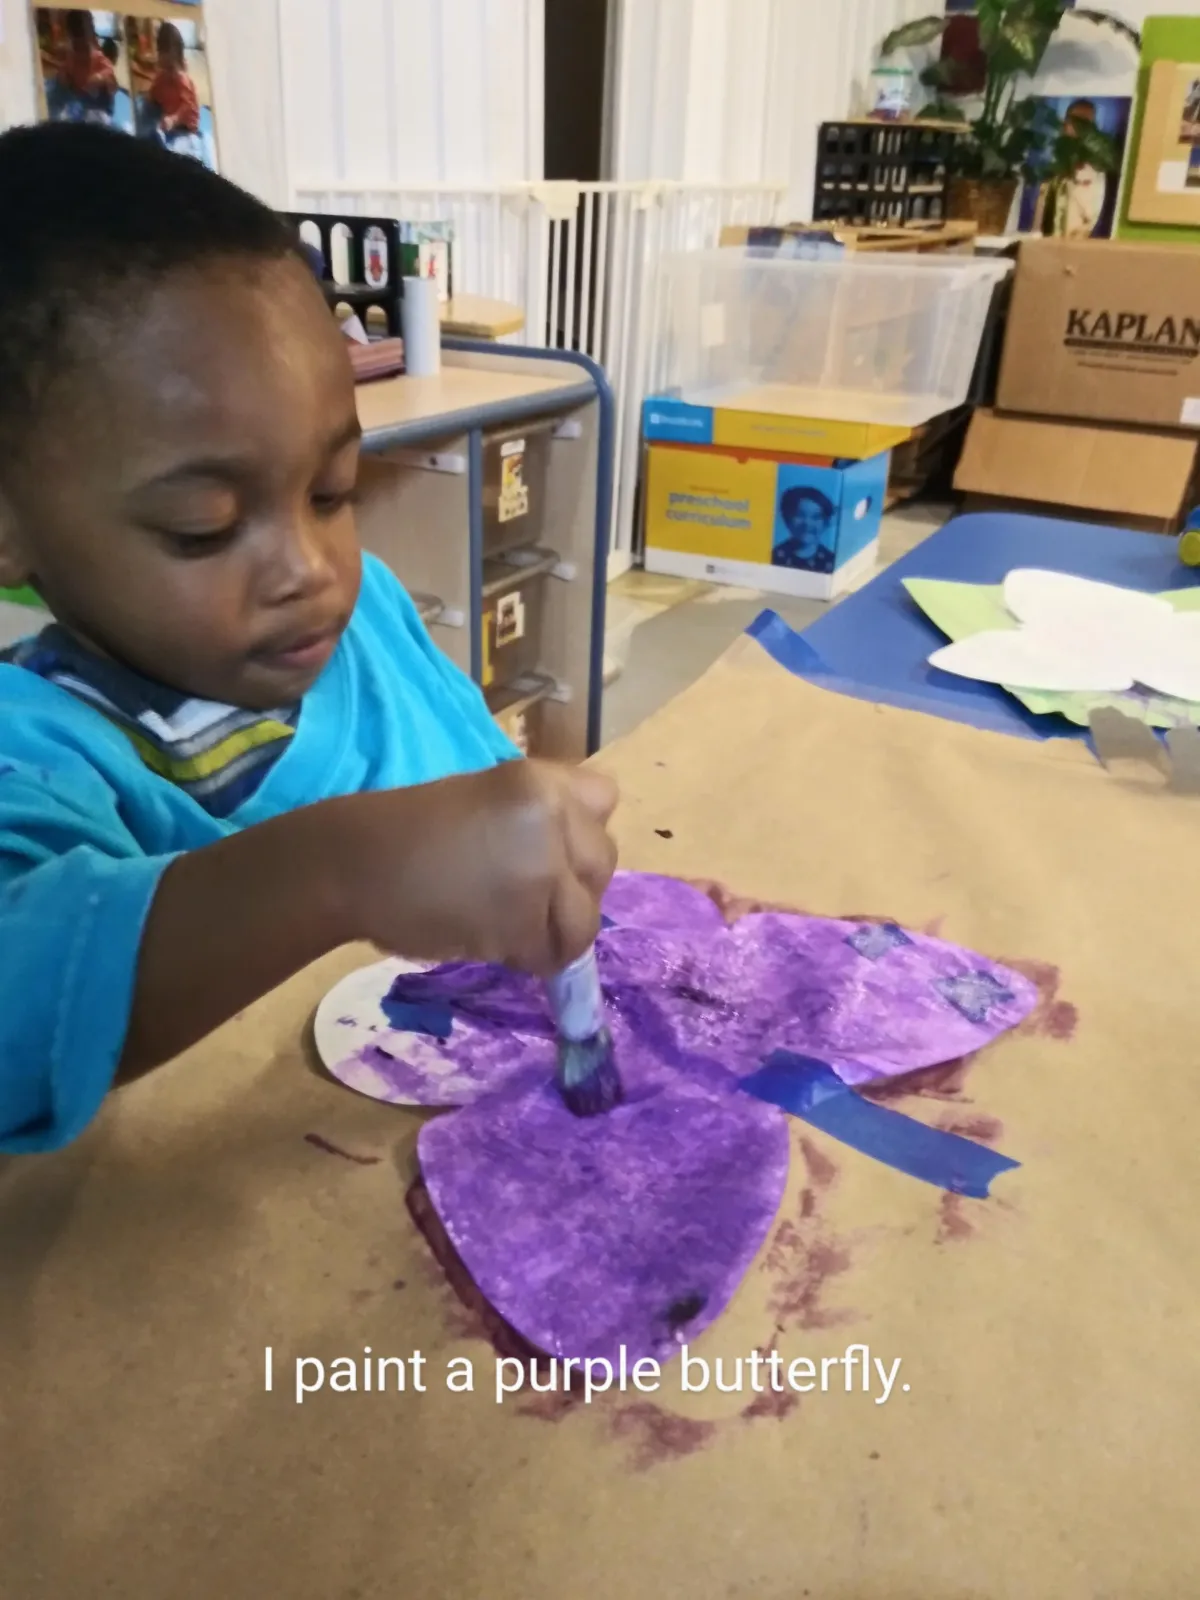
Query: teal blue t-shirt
87	829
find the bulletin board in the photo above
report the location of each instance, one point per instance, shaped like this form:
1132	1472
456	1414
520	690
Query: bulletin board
143	71
1166	178
1164	39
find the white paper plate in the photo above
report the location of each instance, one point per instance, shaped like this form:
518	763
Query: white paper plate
351	1018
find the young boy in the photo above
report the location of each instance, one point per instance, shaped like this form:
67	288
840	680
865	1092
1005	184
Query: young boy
236	748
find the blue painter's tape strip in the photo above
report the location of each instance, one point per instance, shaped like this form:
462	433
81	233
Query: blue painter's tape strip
786	647
429	1017
811	1090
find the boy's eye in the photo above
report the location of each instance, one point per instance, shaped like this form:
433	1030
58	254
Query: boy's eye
328	505
195	546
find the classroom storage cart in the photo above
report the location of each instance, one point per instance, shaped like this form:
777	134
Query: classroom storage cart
487	490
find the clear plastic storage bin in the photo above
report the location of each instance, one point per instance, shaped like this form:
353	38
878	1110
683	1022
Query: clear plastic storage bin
882	339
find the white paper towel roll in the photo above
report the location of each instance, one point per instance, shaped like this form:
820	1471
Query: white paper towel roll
421	322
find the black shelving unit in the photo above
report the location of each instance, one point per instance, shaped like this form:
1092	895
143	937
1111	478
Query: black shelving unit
883	174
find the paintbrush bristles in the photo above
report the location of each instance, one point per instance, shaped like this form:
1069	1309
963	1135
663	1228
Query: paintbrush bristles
588	1079
587	1071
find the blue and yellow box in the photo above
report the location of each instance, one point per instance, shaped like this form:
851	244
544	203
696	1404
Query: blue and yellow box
778	433
797	524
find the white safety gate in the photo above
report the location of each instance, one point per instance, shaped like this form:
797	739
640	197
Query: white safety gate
581	258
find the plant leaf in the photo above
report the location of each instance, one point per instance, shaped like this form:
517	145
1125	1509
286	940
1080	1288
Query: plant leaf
940	74
912	35
1086	146
1105	19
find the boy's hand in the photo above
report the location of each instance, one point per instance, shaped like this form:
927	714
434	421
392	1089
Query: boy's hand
507	865
510	866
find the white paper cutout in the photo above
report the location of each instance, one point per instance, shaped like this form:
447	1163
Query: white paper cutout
1061	600
1079	636
1169	662
1025	659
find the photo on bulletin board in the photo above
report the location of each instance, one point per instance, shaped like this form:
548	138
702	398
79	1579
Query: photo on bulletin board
1166	177
172	91
83	67
1085	206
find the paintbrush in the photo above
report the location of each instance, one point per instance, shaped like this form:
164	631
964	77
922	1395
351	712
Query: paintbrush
587	1070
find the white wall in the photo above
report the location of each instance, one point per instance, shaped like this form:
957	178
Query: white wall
371	91
734	90
16	63
393	92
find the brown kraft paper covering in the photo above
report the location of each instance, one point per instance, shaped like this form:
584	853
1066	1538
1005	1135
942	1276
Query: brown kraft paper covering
1047	1443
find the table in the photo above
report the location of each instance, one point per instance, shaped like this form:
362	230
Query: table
1048	1445
874	644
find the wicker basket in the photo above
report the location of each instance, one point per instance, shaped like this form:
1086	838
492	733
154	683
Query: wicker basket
985	201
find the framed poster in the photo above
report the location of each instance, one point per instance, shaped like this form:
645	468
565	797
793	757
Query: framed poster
1085	206
1166	177
144	73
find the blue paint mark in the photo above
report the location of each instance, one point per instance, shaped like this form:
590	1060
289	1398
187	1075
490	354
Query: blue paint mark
429	1017
874	942
811	1090
973	994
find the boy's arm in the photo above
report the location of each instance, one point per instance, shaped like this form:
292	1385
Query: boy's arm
112	959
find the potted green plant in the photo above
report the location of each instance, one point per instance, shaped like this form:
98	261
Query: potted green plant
1009	129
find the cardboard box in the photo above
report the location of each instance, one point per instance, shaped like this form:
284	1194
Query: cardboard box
1133	477
1106	332
776	433
790	525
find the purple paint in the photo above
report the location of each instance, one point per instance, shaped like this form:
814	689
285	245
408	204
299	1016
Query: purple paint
634	1228
686	991
579	1236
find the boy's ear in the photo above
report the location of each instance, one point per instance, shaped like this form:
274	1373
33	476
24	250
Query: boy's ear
14	566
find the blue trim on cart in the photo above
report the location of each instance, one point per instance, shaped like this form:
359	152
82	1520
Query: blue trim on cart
475	547
600	389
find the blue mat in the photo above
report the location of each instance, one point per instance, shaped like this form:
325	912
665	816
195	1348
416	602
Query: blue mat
874	644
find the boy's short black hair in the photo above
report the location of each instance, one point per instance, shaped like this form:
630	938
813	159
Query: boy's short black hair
90	216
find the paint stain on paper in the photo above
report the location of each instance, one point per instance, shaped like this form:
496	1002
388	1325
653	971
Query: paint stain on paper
319	1142
653	1436
1053	1017
804	1256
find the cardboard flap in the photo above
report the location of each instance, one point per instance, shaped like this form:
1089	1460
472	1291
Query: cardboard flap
1070	464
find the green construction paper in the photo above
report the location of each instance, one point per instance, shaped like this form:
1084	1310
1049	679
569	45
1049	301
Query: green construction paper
962	609
1163	39
21	597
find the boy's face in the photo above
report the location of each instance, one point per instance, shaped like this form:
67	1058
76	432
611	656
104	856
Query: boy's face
184	502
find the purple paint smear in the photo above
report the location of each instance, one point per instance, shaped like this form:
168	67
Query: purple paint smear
686	990
634	1228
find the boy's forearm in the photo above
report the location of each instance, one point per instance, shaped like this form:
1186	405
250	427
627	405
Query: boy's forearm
233	920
